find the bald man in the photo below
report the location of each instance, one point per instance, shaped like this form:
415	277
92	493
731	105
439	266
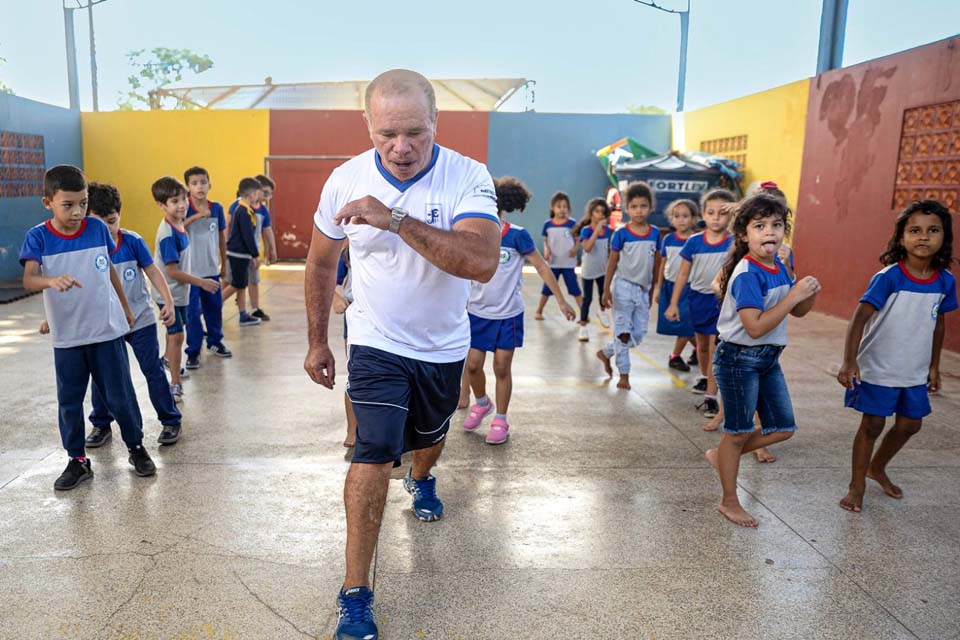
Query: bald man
422	223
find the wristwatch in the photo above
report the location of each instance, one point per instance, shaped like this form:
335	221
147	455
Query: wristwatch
396	217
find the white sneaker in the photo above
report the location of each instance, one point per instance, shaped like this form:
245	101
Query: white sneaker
177	392
584	334
604	317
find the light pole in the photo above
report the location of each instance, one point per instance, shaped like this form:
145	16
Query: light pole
72	53
684	29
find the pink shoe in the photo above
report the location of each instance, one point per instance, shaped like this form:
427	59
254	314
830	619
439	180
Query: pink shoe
476	415
499	431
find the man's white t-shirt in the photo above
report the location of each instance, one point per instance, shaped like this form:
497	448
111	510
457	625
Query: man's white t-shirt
403	304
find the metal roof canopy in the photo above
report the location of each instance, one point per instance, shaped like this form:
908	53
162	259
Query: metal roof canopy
460	94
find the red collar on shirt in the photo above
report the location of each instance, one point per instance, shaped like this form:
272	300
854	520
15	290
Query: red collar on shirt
505	228
774	269
913	278
50	228
194	206
637	235
715	244
559	224
119	242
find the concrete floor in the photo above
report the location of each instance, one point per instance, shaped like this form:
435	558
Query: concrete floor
595	521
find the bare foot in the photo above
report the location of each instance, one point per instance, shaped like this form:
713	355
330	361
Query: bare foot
880	477
711	456
624	382
714	423
853	501
606	363
763	455
538	316
737	515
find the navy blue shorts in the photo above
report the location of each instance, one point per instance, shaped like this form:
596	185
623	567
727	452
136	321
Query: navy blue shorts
569	277
179	319
490	335
239	272
878	400
683	327
401	404
704	312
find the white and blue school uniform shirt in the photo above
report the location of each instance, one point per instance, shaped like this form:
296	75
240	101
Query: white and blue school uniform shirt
898	339
559	237
90	313
129	258
172	246
594	263
205	241
637	255
500	299
754	285
262	215
403	304
670	248
706	260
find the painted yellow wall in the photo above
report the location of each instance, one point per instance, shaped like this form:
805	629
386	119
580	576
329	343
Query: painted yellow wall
774	121
131	149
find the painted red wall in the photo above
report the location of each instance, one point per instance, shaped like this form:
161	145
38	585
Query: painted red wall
845	211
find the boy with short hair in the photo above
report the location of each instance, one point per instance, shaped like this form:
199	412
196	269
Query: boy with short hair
206	226
242	251
68	259
132	261
263	234
628	286
171	251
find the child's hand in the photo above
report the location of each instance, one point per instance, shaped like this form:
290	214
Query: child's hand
166	315
783	253
672	313
130	319
607	301
567	310
572	253
850	373
210	286
715	284
933	384
64	283
339	305
805	288
44	328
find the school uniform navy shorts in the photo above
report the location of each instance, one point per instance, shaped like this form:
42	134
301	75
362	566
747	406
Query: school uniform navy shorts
704	312
490	335
401	404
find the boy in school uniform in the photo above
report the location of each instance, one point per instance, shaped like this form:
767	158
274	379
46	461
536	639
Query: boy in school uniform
206	226
263	233
171	251
242	250
67	258
132	261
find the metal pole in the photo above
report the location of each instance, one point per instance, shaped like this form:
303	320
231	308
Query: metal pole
93	59
682	76
72	84
833	25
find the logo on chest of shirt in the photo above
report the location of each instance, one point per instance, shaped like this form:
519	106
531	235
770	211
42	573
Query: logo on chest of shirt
101	262
129	274
504	256
935	311
432	214
213	226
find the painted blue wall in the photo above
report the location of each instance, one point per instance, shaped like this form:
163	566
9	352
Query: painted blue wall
60	129
557	152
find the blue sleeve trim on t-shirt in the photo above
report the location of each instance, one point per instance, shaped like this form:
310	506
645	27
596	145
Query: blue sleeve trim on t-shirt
32	248
748	290
169	252
525	244
340	239
217	211
950	298
618	240
586	232
473	214
882	285
690	248
546	225
266	217
142	252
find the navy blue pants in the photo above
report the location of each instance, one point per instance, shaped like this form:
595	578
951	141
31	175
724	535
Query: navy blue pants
147	352
107	364
209	306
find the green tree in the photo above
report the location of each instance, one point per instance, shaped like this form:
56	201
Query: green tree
647	109
157	68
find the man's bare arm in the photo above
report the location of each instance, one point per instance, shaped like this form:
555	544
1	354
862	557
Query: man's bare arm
319	282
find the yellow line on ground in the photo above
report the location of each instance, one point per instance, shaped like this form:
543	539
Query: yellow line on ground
677	382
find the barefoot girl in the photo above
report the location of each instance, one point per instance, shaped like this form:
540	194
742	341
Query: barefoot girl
757	296
496	313
892	353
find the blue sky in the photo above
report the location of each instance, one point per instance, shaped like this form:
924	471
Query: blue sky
595	57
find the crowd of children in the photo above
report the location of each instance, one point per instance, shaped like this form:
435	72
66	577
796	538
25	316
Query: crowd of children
727	289
93	275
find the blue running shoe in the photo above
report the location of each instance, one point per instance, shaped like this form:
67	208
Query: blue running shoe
426	504
355	615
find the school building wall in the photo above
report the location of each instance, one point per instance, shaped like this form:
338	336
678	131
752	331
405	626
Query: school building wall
23	158
132	149
557	152
763	131
879	135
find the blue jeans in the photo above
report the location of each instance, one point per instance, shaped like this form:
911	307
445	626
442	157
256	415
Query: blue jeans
147	352
210	306
631	315
107	364
751	381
